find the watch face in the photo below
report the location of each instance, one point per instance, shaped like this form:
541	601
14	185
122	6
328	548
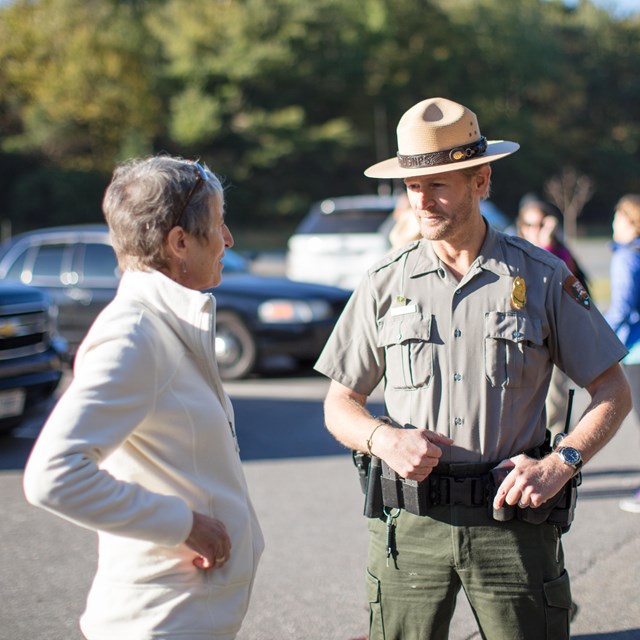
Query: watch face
571	456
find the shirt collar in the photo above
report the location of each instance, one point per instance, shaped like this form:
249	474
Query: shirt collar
491	256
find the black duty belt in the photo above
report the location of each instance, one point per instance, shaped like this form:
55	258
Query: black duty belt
438	489
468	491
464	484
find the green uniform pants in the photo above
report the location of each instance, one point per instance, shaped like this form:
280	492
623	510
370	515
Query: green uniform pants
512	573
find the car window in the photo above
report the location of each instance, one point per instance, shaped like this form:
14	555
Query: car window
345	221
99	261
47	265
14	272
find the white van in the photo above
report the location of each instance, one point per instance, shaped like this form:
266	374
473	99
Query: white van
340	238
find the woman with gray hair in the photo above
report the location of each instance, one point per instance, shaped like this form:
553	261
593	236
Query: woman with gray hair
141	447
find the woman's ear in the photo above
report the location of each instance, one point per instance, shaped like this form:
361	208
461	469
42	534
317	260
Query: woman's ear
175	243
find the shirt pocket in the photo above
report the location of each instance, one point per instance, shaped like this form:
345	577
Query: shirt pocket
513	348
406	340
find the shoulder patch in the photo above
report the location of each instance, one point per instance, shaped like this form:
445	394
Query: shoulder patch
576	290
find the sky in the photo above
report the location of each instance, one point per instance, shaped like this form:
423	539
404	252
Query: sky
617	7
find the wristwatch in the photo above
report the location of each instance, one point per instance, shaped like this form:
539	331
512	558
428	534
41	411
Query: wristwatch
570	456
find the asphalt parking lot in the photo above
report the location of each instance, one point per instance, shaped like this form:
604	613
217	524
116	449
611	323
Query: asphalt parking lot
311	579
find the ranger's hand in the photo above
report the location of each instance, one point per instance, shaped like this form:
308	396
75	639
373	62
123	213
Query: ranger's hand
411	453
210	540
531	482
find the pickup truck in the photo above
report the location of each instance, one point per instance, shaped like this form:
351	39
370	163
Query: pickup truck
32	355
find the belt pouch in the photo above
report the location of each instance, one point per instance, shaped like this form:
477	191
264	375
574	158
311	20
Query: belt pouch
506	512
401	493
563	513
361	462
373	497
415	496
558	510
392	495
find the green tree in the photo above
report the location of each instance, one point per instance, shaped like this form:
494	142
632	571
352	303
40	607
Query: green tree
78	81
290	100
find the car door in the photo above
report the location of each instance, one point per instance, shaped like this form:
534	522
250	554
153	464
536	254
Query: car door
96	274
48	266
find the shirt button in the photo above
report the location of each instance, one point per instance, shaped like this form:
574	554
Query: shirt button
458	292
459	421
457	333
457	377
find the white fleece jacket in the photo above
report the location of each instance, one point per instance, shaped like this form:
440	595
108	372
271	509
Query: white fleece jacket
143	436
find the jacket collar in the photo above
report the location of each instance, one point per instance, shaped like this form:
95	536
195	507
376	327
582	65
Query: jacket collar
634	245
190	314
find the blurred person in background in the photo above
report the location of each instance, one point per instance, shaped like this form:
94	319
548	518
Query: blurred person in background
538	223
406	228
623	313
141	447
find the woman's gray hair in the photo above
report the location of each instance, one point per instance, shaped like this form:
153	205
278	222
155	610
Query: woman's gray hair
146	199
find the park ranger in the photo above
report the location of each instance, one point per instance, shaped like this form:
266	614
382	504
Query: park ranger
464	326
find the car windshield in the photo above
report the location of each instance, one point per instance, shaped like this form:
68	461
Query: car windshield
345	221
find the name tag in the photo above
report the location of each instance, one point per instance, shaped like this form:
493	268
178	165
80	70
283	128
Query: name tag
403	310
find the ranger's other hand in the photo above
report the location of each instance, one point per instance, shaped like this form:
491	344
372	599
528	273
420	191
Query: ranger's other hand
531	482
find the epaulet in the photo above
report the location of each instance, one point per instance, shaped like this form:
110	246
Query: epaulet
393	256
536	253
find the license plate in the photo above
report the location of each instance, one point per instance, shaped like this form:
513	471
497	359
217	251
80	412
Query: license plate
12	403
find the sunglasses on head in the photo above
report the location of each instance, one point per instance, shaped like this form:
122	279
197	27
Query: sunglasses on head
201	177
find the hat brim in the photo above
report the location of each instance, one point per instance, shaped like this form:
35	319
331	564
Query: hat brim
390	168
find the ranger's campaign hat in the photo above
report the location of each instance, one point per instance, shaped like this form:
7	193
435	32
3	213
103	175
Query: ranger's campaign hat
438	135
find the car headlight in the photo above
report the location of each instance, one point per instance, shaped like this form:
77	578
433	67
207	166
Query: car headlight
294	310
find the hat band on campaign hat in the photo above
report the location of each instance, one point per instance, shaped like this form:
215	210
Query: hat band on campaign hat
436	158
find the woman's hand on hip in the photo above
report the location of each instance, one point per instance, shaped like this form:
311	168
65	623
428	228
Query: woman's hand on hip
210	540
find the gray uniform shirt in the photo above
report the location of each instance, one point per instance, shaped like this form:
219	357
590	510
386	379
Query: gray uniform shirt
461	358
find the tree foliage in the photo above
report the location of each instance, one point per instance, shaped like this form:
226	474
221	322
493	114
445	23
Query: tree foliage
290	100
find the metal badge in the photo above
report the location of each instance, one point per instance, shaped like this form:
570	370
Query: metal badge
519	293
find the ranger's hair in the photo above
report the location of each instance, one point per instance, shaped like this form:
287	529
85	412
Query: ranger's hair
470	172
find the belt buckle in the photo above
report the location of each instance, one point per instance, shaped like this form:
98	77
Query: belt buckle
467	491
459	491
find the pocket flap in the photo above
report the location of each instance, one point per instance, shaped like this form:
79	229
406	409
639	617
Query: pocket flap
512	326
557	592
373	588
399	329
